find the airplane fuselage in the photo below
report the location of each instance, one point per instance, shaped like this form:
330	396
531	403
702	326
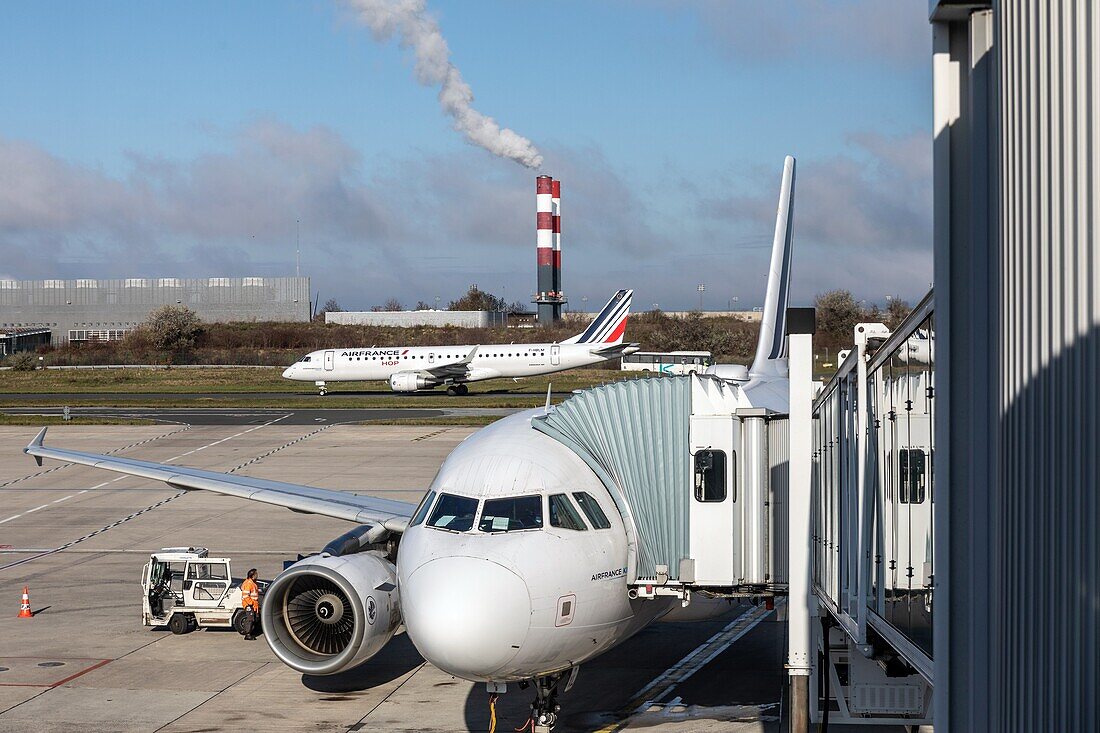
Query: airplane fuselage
488	362
512	605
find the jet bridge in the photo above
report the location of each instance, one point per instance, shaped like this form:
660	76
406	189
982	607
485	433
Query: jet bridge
873	505
697	467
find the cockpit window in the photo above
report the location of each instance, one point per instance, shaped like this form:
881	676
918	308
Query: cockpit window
422	510
507	515
455	513
591	509
305	358
562	513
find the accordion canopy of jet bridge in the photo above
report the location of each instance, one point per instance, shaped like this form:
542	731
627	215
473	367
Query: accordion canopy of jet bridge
687	462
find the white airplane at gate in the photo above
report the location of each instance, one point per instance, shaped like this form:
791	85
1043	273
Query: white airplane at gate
413	368
512	568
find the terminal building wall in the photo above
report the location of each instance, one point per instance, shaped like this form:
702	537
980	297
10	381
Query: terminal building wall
113	305
405	319
1017	216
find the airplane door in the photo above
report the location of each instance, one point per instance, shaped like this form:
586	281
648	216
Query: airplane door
330	357
713	506
555	355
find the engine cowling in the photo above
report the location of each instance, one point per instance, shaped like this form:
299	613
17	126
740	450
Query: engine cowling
326	614
409	382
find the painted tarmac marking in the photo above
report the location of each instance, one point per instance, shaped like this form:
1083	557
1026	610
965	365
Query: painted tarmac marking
149	508
692	662
112	452
430	435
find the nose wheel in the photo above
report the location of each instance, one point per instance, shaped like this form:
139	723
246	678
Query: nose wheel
545	708
321	389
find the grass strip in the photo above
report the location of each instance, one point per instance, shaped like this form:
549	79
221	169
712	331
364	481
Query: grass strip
44	420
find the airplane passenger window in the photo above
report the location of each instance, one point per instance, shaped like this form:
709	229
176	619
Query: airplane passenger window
422	510
710	475
454	513
562	513
592	510
513	513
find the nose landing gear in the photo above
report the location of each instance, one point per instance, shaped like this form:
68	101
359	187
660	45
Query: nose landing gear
321	388
545	708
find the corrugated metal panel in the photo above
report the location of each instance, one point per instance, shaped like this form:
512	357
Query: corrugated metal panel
1049	326
779	453
634	434
1020	320
66	305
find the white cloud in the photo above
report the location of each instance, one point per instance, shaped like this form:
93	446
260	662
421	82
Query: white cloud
888	31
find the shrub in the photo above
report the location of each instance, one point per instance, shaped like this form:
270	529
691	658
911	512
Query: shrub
23	362
173	328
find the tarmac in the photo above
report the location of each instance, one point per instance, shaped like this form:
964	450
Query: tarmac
79	538
260	415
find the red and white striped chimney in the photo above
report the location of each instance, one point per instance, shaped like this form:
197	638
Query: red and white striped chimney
544	243
555	204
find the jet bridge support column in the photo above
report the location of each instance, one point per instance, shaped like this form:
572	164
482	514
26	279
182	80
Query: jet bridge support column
800	608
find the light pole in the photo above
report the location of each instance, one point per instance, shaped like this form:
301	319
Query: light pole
437	302
733	300
656	307
701	288
584	301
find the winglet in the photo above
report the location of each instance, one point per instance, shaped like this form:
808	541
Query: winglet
36	443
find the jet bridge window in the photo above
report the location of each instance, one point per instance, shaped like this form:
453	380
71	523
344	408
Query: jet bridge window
562	513
455	513
911	463
592	510
710	475
513	513
422	510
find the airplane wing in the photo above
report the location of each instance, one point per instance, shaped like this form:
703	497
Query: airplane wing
454	369
614	351
393	515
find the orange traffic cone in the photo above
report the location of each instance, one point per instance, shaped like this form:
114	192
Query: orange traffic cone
25	606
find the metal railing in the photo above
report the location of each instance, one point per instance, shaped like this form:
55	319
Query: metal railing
873	489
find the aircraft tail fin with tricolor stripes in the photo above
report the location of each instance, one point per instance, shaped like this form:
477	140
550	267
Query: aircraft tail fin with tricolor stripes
609	324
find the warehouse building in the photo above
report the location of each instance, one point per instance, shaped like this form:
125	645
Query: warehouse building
14	340
89	310
406	319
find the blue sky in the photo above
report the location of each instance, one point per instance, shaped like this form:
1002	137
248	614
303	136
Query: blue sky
186	139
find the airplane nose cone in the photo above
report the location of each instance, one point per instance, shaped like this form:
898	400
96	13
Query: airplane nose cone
288	372
467	616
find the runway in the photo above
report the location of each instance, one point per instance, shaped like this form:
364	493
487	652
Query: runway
79	538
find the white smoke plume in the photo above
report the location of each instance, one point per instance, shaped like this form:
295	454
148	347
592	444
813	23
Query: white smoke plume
419	31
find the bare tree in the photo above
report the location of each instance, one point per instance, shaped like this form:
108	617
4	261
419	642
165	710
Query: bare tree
477	299
173	328
897	310
393	304
837	315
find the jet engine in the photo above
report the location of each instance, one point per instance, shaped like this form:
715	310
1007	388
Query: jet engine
409	382
325	614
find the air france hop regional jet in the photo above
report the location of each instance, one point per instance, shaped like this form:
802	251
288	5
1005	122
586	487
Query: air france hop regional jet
513	567
413	368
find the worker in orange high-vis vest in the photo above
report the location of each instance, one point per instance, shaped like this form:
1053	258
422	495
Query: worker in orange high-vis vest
250	601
